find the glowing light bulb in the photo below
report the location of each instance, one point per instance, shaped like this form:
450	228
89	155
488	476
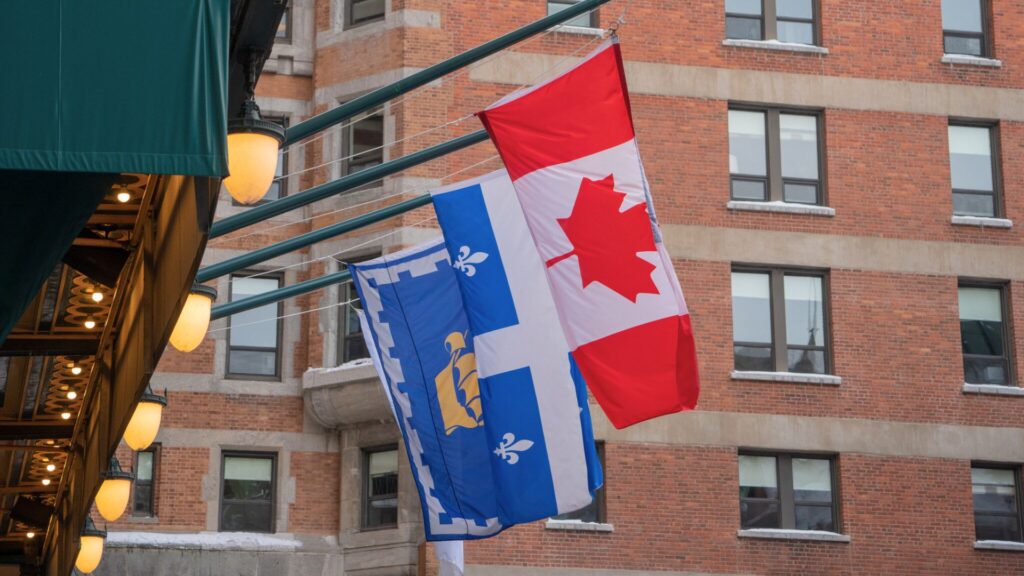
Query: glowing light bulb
123	196
51	467
90	323
65	415
46	481
97	296
76	370
72	395
30	535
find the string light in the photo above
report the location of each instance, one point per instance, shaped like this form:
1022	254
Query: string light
76	370
46	481
65	415
30	535
51	467
72	394
90	323
97	296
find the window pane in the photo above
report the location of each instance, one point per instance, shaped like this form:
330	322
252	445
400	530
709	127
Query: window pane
263	333
365	145
970	157
759	514
743	7
753	358
583	20
255	362
805	361
143	499
800	193
245	517
805	315
751	307
747	151
758	477
974	204
363	10
282	26
739	28
962	45
385	462
982	370
796	32
259	469
748	190
995	504
962	15
144	466
799	137
813	518
1005	528
381	495
812	480
981	321
794	9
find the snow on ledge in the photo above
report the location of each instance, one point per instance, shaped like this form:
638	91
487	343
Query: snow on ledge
780	206
578	525
971	60
202	541
982	222
994	389
775	45
350	365
1005	545
787	377
782	534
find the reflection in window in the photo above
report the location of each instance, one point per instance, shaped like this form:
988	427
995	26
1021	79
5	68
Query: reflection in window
380	496
363	142
595	511
793	21
351	344
143	487
983	335
748	155
743	19
774	155
247	494
783	491
971	170
364	12
585	20
996	512
964	27
253	346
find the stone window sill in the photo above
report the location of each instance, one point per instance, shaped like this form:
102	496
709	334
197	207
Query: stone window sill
775	45
971	60
578	526
1005	545
782	207
993	389
982	222
788	377
778	534
581	30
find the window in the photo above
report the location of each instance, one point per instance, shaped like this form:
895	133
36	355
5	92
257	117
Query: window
774	155
972	170
583	20
361	12
363	142
380	496
783	20
278	187
595	511
995	492
254	336
247	492
787	491
779	321
284	27
145	480
984	334
965	25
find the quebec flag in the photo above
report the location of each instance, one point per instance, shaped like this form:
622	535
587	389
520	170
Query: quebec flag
493	410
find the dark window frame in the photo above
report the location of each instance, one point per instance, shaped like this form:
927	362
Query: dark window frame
784	482
365	498
287	38
351	22
345	146
985	36
1009	350
272	456
777	305
769	21
594	14
153	449
282	184
1018	492
343	288
998	208
600	501
774	182
278	350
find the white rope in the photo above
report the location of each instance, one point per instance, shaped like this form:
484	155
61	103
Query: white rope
299	313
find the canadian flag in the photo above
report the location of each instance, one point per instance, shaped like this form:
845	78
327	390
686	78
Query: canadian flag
570	149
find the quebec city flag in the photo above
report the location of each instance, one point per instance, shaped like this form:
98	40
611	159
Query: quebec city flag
471	354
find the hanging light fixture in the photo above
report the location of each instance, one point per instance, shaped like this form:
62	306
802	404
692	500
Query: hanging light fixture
91	550
145	422
112	498
191	327
253	144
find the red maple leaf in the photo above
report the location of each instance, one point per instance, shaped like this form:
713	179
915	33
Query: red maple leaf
606	241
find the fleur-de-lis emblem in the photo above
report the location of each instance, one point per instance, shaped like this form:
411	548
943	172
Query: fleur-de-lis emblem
509	448
467	260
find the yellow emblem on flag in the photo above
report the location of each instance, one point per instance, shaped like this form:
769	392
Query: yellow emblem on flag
458	391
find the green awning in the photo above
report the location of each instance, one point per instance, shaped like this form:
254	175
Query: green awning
115	86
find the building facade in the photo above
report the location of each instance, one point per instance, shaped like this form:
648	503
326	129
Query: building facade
839	185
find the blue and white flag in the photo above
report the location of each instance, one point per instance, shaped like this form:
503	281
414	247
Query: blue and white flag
496	423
